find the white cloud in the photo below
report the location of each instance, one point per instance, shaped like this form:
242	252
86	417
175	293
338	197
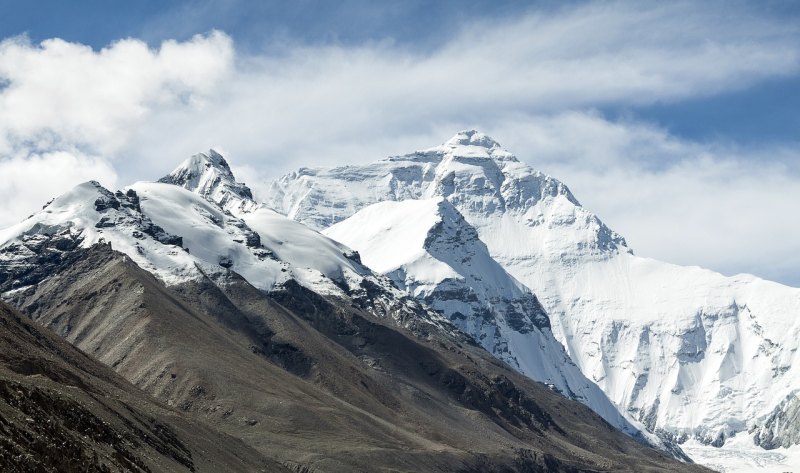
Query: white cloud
29	181
63	105
65	94
144	110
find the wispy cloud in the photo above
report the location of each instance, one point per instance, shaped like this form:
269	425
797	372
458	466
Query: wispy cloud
533	81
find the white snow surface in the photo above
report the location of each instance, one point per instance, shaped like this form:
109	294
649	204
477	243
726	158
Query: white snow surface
389	235
683	349
303	247
210	235
740	455
313	259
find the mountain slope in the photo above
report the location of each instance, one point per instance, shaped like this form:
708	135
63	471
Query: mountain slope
60	410
180	237
320	384
684	350
304	255
430	251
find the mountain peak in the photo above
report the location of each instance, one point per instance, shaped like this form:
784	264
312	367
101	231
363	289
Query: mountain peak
198	165
472	138
474	144
210	175
214	158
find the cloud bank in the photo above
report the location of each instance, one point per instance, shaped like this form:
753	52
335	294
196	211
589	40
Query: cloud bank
535	83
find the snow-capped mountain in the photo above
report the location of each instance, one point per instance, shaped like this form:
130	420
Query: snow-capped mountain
429	250
317	261
197	222
684	350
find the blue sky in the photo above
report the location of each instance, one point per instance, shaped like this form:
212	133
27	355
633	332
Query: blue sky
254	25
677	122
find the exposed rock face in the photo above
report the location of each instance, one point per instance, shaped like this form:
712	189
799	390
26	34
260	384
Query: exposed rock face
782	427
133	218
36	255
84	216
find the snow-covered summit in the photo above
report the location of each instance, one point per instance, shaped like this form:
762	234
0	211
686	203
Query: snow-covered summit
425	246
86	215
474	144
209	175
472	138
